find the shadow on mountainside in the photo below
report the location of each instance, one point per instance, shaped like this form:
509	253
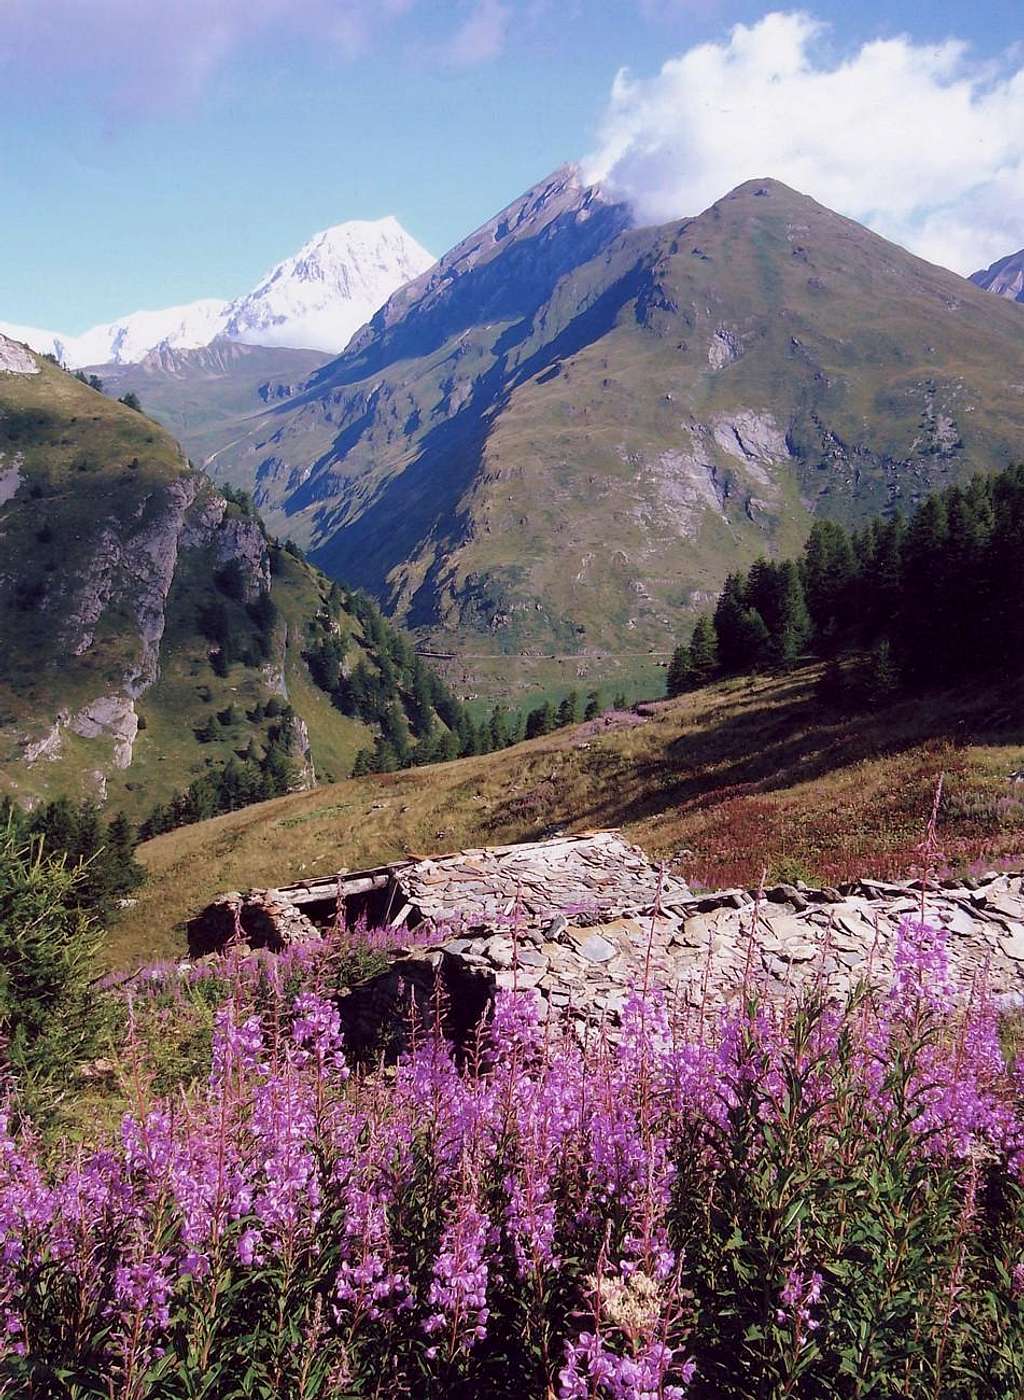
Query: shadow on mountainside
421	508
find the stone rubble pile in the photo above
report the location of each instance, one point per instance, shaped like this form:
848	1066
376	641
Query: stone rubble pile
598	877
579	922
700	949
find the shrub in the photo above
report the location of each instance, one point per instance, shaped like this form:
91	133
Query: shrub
49	1017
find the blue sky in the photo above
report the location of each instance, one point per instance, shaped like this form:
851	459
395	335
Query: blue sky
152	153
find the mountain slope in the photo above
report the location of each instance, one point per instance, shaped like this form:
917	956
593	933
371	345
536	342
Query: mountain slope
1005	277
204	396
563	437
150	631
313	300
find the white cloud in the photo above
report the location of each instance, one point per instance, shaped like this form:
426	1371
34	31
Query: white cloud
920	142
481	36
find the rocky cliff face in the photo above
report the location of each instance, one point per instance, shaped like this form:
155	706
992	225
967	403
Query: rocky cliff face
124	579
1005	277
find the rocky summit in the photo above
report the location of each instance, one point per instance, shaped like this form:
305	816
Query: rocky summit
313	300
1005	277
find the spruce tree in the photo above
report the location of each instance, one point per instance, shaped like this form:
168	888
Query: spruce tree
793	624
828	570
703	650
500	732
679	676
49	949
363	763
879	679
569	710
743	636
540	721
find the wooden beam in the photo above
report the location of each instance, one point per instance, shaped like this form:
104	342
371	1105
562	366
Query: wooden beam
332	889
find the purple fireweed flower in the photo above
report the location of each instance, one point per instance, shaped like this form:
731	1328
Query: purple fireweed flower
144	1288
249	1242
799	1294
458	1289
921	973
236	1048
27	1210
592	1370
283	1123
317	1030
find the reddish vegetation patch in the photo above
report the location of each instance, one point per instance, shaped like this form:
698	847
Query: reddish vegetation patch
870	820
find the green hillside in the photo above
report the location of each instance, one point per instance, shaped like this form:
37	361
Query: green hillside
741	777
152	635
573	469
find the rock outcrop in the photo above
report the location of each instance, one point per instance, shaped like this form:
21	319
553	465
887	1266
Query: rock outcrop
15	359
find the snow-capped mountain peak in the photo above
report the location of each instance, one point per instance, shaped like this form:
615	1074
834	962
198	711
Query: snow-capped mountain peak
130	338
314	300
322	294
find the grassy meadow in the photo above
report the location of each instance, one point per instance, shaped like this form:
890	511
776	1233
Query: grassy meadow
741	777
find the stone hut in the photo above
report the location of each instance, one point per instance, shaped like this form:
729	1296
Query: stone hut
579	921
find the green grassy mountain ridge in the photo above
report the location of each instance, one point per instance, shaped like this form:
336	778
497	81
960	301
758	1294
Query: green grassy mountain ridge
574	467
151	632
205	396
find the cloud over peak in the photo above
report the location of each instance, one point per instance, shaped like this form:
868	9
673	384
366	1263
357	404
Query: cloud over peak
918	141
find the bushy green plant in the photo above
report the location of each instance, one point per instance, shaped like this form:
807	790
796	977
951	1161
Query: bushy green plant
50	1018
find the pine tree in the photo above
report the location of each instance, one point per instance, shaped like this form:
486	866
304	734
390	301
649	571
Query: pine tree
593	705
385	757
395	732
879	680
363	763
57	824
49	1015
743	636
540	721
421	707
449	746
703	650
828	571
793	626
679	676
114	872
923	551
569	710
